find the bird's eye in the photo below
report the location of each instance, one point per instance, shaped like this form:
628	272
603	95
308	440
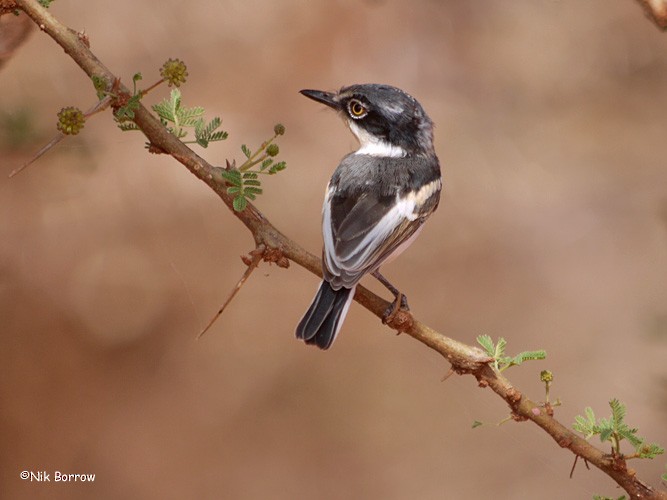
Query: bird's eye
356	109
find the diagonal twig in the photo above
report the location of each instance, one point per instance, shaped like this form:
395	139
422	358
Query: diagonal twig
257	254
99	106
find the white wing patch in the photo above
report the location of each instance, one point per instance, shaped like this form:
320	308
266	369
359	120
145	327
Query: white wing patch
357	260
327	230
425	192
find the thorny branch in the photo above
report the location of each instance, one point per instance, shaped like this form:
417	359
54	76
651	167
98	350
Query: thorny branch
278	247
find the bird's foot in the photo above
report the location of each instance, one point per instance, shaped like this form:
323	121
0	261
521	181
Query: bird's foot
397	315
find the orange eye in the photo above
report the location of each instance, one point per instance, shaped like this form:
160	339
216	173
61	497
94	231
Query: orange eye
357	109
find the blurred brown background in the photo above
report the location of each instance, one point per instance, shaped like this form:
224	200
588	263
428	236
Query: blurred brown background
551	129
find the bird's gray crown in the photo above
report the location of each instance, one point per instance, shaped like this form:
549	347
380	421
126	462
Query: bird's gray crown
386	120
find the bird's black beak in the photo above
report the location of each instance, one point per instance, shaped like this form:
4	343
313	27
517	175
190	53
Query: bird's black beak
327	98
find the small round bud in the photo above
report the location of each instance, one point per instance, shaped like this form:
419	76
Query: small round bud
272	150
70	120
279	129
174	71
546	376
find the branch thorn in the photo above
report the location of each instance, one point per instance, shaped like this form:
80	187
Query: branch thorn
252	262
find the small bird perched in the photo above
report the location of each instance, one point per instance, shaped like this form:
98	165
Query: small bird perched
376	201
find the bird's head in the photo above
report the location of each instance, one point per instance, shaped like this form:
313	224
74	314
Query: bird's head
386	120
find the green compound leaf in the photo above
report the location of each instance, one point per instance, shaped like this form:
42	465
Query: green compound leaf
497	352
176	118
166	109
617	413
205	133
614	429
585	425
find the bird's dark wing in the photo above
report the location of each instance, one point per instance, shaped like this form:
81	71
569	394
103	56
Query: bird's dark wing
363	230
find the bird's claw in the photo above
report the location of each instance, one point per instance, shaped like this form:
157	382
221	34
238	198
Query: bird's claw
397	315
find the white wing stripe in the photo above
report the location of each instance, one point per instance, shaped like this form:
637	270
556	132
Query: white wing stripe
357	260
327	231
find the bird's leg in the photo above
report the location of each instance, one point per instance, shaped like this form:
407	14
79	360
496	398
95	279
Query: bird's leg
400	300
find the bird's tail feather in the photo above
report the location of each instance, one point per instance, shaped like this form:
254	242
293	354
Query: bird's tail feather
325	316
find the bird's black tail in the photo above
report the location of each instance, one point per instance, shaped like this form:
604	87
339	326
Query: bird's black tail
325	316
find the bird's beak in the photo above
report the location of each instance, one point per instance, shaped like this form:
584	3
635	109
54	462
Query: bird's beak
328	98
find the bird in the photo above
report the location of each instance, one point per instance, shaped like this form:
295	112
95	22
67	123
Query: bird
376	202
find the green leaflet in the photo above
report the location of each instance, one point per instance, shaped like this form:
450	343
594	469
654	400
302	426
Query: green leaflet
497	352
614	430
